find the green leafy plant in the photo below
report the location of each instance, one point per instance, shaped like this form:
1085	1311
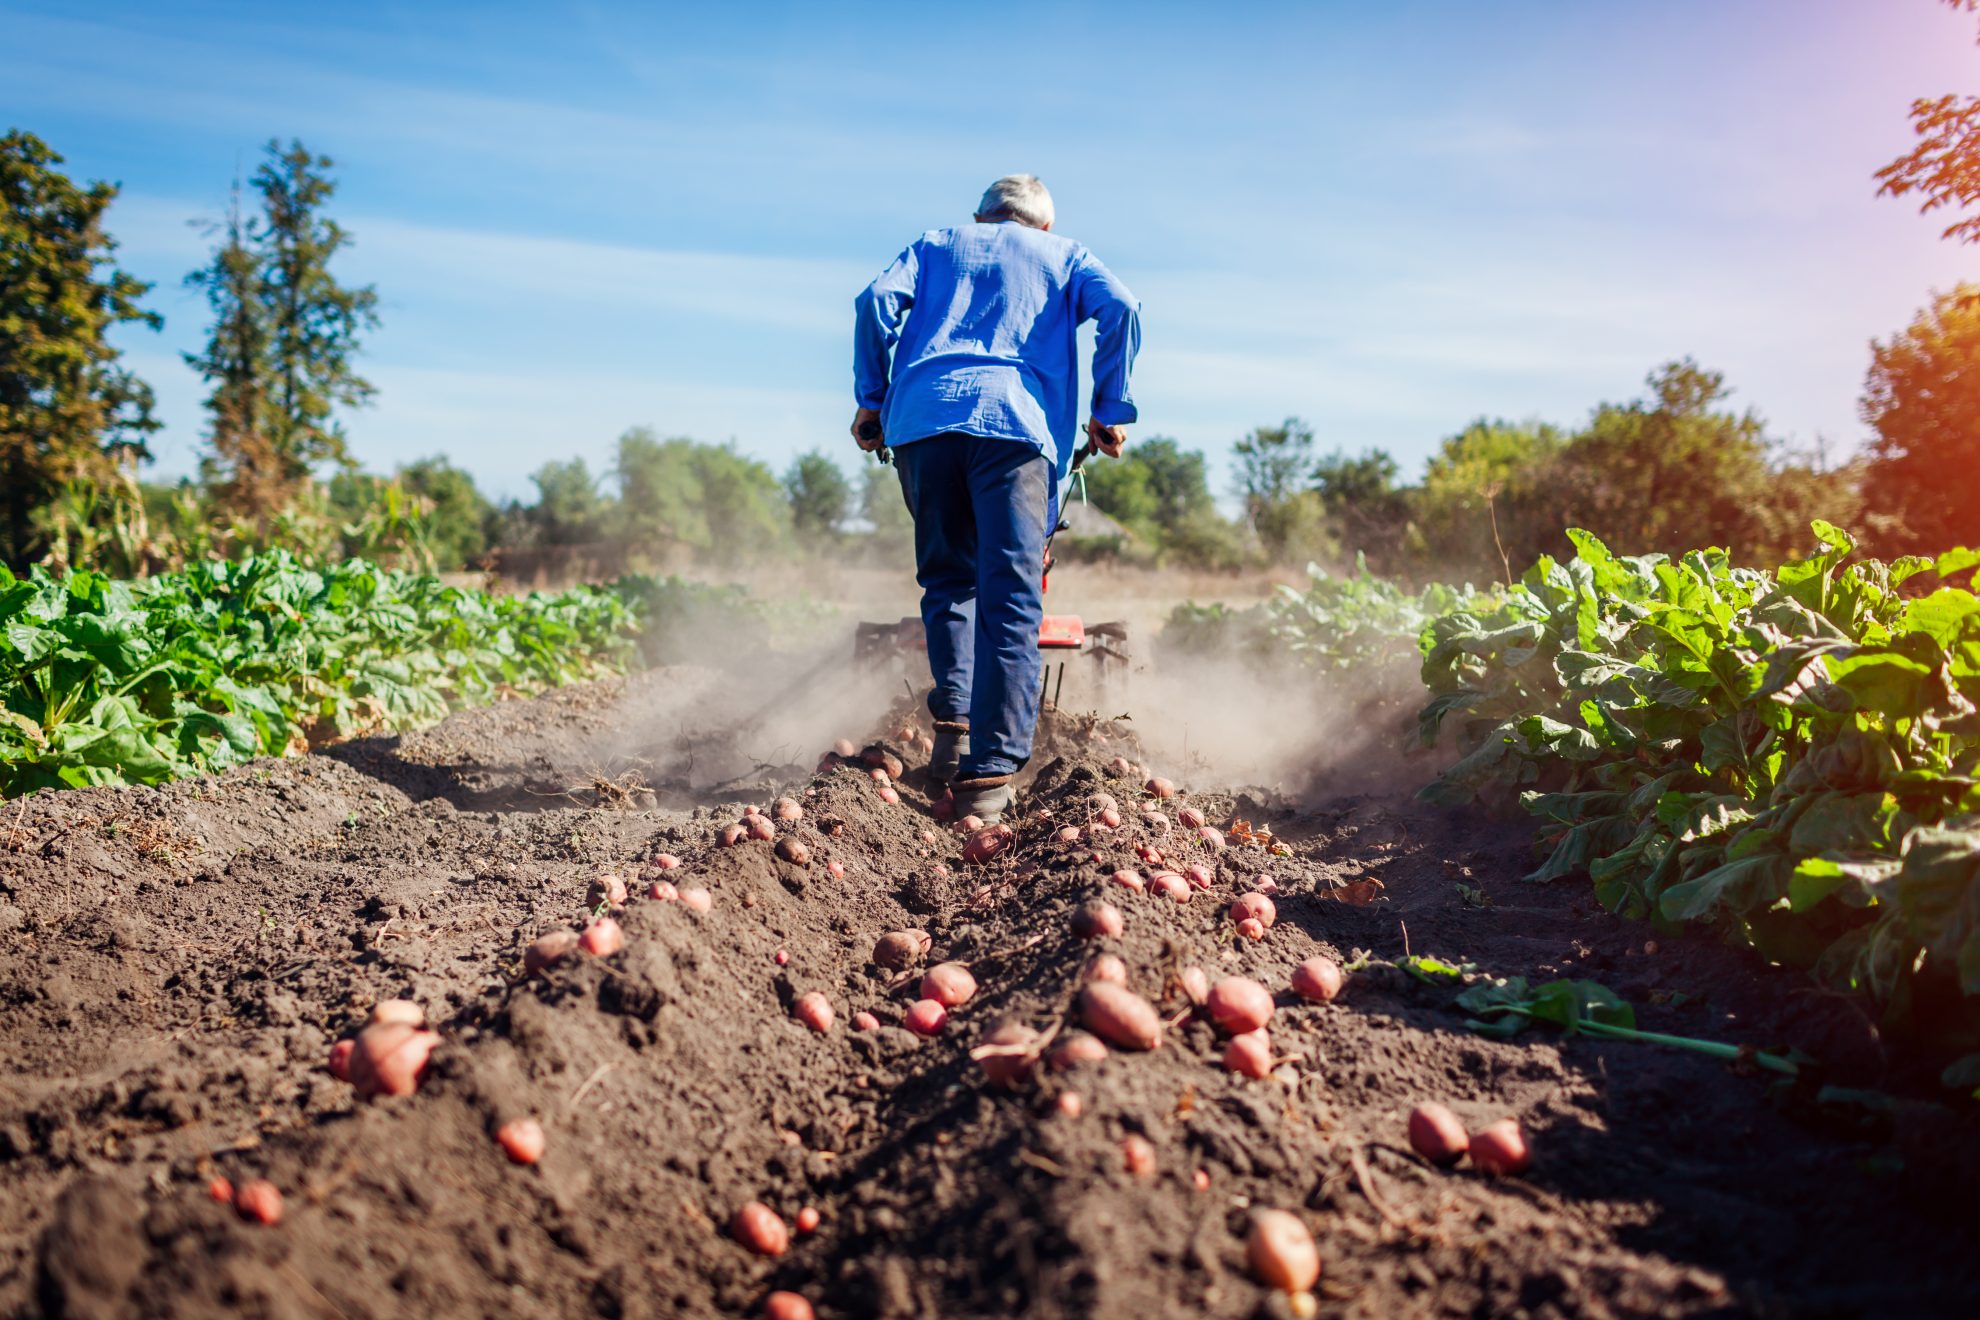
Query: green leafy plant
1788	756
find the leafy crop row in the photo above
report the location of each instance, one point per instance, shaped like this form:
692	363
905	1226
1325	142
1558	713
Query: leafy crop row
105	681
1788	756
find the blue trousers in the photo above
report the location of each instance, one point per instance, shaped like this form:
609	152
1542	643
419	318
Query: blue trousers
982	509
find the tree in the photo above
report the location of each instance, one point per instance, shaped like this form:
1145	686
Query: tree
820	496
458	513
1473	481
285	332
1367	511
1922	399
706	498
883	506
68	411
1275	468
1944	168
568	507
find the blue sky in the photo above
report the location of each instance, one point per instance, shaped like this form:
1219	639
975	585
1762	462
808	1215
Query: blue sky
1386	218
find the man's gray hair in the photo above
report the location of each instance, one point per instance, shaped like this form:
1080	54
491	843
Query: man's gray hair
1019	197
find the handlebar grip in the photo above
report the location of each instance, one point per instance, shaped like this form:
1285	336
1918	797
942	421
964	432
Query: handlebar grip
869	430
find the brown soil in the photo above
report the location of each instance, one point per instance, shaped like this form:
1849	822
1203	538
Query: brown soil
183	958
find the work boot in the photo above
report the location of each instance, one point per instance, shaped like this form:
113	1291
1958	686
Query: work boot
951	745
985	799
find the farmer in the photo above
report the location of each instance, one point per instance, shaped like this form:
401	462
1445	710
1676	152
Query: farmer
979	404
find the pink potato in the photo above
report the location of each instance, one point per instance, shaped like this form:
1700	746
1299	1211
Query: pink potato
1138	1155
1155	821
1076	1047
899	950
1096	919
1281	1252
948	984
1500	1148
1190	818
521	1140
1067	834
889	796
1319	978
548	950
844	747
1160	787
942	808
783	1305
260	1201
698	899
602	938
1007	1054
985	844
1104	967
1239	1004
865	1021
814	1010
1199	875
1119	1016
807	1219
759	1228
1120	765
609	889
761	827
340	1059
1251	928
1100	802
667	862
1110	818
787	809
1171	886
1249	1054
1194	983
792	850
1213	838
1128	879
925	1017
730	836
1436	1134
402	1011
1255	905
663	892
390	1058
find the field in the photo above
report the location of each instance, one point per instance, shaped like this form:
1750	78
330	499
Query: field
186	954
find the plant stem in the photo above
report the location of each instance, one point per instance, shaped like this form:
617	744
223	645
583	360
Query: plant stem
1716	1049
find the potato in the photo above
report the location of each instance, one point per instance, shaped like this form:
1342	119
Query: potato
549	950
1156	822
1007	1054
1255	905
1160	787
390	1058
836	869
1110	818
787	809
1200	875
807	1219
1319	978
260	1201
782	1305
1119	1016
1436	1134
814	1010
1127	878
1120	765
1239	1004
340	1060
943	808
865	1021
662	892
1104	967
1100	802
1213	838
1251	928
521	1140
925	1017
666	861
1281	1252
1249	1054
1138	1155
219	1189
609	889
791	849
1076	1047
985	844
1171	886
948	984
844	747
1094	920
761	827
1194	983
1500	1148
730	836
698	899
1067	834
403	1011
1190	818
899	950
1070	1104
882	759
758	1227
602	938
889	796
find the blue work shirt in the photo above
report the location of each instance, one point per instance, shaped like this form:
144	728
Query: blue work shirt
980	320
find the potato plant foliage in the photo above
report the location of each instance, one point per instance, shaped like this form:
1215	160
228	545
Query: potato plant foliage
1786	755
108	682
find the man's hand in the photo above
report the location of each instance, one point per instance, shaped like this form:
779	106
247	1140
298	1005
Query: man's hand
1109	440
866	430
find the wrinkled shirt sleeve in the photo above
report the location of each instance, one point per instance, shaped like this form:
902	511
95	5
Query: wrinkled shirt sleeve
879	313
1099	296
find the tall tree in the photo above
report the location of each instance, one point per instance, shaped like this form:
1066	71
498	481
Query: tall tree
1922	399
284	336
68	410
1275	469
821	497
1944	168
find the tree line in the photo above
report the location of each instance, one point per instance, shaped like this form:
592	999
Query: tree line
1673	468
